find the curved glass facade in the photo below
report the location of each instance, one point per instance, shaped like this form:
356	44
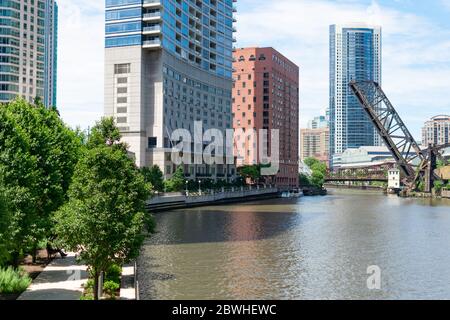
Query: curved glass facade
10	49
27	52
199	32
355	55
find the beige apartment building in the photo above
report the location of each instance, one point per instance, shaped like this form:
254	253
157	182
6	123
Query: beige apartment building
436	131
315	143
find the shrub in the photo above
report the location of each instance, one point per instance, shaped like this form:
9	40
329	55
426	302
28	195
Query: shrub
87	297
177	183
113	274
110	288
438	185
89	284
13	280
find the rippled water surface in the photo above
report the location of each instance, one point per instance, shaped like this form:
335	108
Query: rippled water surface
308	248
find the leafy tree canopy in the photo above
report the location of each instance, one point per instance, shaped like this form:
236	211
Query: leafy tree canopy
177	183
319	171
155	177
38	154
105	132
105	214
252	172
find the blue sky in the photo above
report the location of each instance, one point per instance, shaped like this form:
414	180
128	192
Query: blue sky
416	51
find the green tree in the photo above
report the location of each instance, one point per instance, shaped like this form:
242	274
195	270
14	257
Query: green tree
438	186
104	216
319	171
38	154
304	180
441	163
105	132
219	184
177	182
252	172
5	220
155	177
317	179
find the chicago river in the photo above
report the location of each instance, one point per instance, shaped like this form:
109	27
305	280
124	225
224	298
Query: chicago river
306	248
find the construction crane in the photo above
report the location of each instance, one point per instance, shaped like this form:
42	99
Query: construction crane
416	165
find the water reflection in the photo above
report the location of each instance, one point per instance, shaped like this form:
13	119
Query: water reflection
312	248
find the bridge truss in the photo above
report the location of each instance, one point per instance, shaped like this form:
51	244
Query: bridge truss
415	164
377	173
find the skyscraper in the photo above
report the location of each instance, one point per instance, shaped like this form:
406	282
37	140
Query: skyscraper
355	54
318	123
315	143
168	64
266	97
28	40
315	140
436	131
51	52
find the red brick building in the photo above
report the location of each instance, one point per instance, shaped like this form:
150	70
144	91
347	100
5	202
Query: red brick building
266	96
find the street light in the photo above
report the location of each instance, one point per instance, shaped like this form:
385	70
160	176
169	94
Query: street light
200	186
187	190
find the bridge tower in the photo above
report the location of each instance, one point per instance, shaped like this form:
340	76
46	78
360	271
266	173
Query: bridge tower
415	164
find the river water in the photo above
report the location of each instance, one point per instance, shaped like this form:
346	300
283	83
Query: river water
307	248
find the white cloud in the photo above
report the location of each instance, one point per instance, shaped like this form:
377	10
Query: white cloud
80	70
446	4
416	55
416	59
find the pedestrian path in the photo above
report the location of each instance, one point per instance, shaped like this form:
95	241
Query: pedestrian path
62	279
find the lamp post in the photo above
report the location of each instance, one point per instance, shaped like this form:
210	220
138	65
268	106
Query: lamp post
200	186
187	190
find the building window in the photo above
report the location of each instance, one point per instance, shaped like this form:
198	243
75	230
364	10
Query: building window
152	142
122	68
122	90
121	120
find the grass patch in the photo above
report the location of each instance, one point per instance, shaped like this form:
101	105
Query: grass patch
13	281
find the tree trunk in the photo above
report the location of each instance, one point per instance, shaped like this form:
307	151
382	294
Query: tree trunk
15	260
96	284
34	253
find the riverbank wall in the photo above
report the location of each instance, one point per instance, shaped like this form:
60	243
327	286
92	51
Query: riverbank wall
444	194
179	201
351	187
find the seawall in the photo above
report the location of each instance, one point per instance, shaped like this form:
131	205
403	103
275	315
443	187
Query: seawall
180	201
351	187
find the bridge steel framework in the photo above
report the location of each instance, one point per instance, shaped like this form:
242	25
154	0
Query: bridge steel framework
378	173
414	163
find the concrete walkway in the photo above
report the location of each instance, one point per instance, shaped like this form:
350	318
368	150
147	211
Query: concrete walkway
62	279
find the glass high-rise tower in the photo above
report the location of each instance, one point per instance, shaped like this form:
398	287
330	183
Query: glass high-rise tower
168	63
51	52
28	38
355	54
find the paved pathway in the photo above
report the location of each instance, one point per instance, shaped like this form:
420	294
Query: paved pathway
127	290
62	279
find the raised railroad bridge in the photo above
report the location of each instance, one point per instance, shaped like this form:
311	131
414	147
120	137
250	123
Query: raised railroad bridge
377	173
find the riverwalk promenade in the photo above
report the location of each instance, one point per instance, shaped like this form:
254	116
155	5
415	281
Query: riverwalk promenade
234	195
62	279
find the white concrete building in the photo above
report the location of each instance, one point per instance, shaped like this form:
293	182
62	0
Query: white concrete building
436	131
394	179
168	64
